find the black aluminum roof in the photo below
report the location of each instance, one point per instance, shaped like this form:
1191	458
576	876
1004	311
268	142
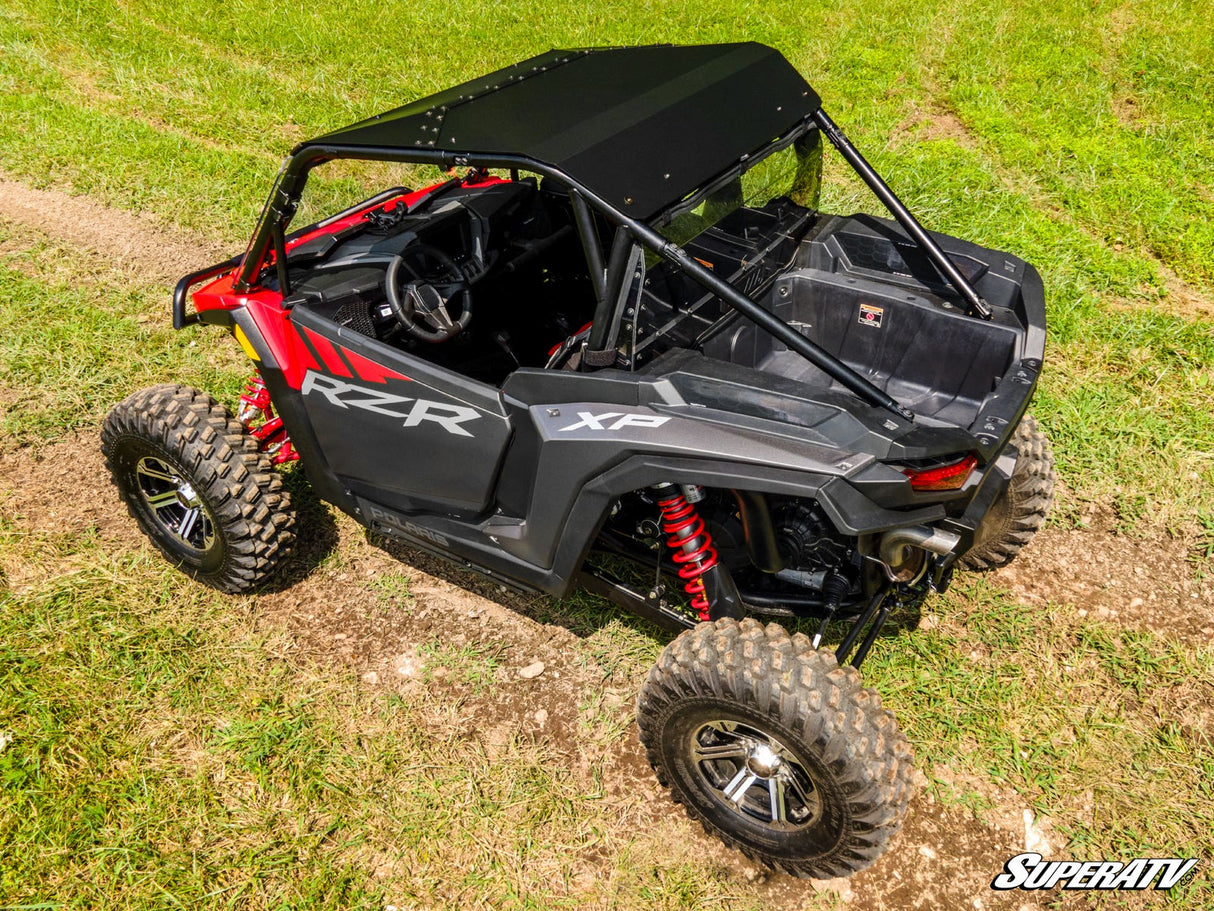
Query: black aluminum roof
640	126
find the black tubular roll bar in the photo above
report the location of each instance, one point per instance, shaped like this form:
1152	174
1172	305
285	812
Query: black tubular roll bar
584	221
974	304
293	176
181	319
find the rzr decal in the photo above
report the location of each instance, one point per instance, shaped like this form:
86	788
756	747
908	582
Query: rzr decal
618	421
348	395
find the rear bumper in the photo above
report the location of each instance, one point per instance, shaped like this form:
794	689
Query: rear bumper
998	476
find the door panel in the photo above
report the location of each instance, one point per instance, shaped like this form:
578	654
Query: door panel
397	430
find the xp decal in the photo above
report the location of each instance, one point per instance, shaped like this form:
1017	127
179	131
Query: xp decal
613	420
350	395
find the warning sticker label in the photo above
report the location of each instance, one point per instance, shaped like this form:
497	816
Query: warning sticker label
870	315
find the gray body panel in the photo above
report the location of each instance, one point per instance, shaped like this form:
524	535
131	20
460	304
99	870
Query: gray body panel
541	464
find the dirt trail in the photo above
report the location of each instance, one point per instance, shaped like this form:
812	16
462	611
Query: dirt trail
1150	582
124	239
337	612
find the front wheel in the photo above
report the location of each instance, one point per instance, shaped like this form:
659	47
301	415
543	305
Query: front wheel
199	486
775	749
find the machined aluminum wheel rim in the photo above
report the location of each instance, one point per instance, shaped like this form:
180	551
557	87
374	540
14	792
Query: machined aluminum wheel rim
175	504
754	774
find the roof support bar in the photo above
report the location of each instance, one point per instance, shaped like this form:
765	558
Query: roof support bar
584	221
974	304
602	334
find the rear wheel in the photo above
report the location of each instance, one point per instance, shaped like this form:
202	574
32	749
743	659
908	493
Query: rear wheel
775	749
199	486
1022	508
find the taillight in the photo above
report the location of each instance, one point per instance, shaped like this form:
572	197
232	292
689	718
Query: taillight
942	477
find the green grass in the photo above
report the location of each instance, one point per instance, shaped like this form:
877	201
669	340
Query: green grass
469	664
165	753
392	589
74	343
169	750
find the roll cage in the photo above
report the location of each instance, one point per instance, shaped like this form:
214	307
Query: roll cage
592	175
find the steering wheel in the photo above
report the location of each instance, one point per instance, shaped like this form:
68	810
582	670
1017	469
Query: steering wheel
421	294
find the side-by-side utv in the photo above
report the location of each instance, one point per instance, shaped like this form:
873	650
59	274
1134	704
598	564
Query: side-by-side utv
620	347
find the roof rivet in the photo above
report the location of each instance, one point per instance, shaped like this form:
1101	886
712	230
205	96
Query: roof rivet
666	176
627	200
779	107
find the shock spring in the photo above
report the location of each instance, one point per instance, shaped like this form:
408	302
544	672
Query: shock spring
256	414
692	546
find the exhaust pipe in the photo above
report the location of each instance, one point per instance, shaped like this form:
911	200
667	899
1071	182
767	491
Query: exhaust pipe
902	549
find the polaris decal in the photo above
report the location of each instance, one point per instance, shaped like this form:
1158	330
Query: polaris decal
393	522
618	421
349	395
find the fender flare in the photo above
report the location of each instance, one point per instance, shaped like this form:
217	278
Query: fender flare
850	511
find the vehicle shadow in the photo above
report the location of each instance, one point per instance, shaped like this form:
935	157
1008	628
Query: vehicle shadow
316	534
581	612
584	613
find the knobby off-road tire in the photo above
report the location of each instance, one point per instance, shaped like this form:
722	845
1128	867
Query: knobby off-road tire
1021	509
199	486
831	771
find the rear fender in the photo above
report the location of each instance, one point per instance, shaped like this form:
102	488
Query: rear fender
850	512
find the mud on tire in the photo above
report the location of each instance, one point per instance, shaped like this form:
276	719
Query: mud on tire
831	771
1021	509
199	486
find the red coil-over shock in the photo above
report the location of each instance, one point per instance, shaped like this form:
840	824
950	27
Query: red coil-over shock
691	543
256	413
